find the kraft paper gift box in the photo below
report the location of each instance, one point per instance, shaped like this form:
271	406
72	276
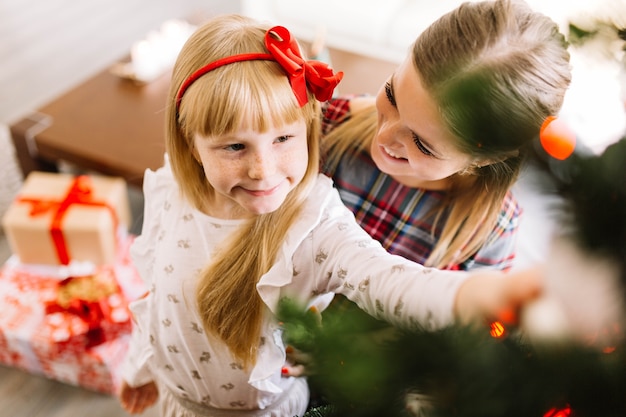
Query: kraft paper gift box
42	333
58	218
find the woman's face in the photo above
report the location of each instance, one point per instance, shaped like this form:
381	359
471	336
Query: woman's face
412	144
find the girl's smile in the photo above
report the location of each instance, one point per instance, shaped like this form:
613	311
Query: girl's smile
263	192
393	155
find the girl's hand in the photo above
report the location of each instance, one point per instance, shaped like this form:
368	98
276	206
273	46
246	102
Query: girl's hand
297	364
137	400
493	295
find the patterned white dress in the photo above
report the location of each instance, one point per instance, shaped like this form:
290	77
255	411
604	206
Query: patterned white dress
324	252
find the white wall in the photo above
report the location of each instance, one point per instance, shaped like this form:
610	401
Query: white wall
48	46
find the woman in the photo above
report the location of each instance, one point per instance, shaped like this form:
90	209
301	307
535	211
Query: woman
428	169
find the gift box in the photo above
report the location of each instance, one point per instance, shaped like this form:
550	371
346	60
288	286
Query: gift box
57	218
74	329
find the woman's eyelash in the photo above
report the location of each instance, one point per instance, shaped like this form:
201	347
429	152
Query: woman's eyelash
416	139
420	146
389	93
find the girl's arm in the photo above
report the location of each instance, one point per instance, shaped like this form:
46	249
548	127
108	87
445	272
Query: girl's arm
389	287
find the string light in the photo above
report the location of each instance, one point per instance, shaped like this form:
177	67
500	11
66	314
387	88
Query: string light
497	329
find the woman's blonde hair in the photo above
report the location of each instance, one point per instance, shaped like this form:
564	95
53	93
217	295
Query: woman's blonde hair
496	69
253	94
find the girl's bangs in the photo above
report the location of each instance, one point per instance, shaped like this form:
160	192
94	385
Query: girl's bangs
252	95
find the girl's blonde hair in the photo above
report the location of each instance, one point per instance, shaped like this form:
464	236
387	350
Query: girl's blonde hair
496	69
249	94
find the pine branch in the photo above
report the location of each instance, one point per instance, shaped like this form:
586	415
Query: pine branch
366	368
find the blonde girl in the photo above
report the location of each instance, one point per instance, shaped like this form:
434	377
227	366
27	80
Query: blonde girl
239	218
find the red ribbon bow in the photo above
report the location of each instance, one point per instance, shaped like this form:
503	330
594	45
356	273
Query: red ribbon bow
94	312
91	313
315	75
80	192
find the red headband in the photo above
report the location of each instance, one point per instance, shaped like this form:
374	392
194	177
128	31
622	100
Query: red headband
315	75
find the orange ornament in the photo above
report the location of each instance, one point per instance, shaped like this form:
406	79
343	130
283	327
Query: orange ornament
556	138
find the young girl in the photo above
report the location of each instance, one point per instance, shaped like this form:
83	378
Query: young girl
428	170
239	218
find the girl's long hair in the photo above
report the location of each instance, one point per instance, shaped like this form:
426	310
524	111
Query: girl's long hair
497	70
252	94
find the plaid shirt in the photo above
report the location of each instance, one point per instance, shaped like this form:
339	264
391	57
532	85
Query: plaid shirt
398	216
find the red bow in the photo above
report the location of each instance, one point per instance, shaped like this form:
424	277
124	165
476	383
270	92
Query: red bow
317	75
95	310
79	192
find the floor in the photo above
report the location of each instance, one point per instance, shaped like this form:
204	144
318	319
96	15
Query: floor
25	395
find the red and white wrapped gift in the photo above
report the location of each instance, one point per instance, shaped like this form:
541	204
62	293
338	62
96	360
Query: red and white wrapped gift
73	329
58	218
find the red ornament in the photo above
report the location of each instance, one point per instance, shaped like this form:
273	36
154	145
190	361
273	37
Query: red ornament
559	412
556	138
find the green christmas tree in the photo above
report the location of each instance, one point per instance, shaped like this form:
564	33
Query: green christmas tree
362	367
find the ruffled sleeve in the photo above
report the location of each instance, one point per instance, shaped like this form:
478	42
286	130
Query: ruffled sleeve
280	278
279	281
156	186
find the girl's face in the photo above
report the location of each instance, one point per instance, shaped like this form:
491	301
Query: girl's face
253	172
412	144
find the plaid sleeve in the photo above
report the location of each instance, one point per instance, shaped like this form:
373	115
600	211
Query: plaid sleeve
499	250
334	112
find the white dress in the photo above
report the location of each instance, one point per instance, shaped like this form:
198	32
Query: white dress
325	251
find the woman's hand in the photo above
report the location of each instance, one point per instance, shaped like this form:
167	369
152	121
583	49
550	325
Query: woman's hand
137	400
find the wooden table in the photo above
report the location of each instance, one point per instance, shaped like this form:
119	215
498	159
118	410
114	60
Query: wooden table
107	124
